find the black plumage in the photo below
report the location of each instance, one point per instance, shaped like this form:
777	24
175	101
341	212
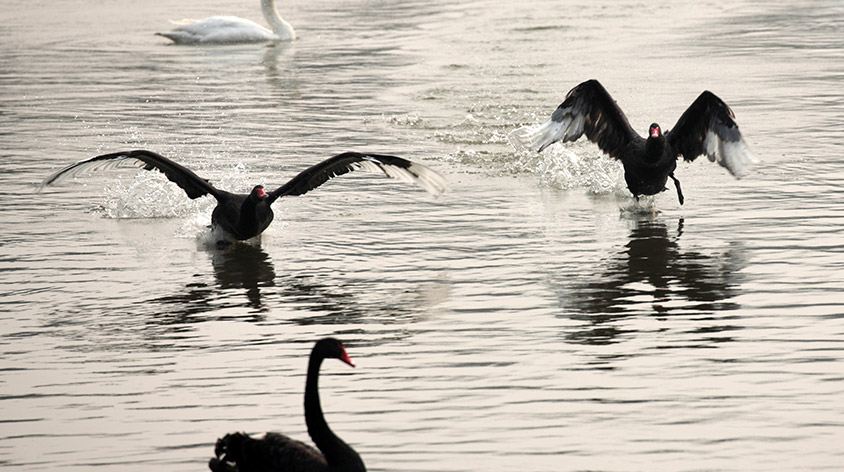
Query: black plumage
244	216
237	452
707	127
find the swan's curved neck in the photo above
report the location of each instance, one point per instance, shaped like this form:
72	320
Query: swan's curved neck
281	28
336	451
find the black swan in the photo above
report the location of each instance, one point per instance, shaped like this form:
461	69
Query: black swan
237	452
244	216
706	127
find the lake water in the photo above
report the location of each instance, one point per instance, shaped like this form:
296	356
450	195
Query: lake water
527	319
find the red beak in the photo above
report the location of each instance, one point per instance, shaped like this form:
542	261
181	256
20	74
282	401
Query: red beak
345	358
262	193
654	132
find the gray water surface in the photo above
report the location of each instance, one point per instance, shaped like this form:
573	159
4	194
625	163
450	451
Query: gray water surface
532	318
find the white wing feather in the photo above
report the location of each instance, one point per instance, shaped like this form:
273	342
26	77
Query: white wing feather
564	125
733	155
417	174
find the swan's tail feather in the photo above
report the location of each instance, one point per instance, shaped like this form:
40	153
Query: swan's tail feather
537	137
178	37
181	35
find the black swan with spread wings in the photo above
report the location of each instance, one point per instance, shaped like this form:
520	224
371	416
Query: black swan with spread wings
706	127
244	216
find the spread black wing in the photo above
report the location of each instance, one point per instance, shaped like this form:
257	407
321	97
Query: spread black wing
588	108
238	452
708	127
193	185
391	166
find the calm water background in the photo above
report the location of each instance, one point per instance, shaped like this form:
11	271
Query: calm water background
527	319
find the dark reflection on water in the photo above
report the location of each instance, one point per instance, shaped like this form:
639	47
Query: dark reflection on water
653	275
246	267
245	277
241	271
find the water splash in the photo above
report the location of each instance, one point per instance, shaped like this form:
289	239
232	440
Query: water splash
405	120
643	206
147	195
569	167
198	226
151	195
487	127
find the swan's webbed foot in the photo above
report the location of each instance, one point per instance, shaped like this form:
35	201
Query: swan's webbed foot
677	185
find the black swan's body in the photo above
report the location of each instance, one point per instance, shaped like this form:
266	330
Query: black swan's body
237	452
706	127
244	216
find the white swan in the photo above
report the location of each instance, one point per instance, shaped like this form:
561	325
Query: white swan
232	29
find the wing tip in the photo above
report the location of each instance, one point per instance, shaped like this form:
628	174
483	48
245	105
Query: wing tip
402	169
536	137
58	175
430	180
736	158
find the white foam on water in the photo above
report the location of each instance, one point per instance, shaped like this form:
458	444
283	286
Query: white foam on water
569	167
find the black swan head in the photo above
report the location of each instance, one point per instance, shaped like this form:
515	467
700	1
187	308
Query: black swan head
258	192
654	131
330	348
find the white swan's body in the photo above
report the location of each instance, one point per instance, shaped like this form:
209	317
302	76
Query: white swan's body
232	29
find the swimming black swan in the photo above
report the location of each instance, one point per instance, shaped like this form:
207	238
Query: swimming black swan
244	216
706	127
237	452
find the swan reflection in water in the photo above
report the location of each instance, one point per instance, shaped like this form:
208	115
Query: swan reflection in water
652	275
244	266
241	273
245	277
